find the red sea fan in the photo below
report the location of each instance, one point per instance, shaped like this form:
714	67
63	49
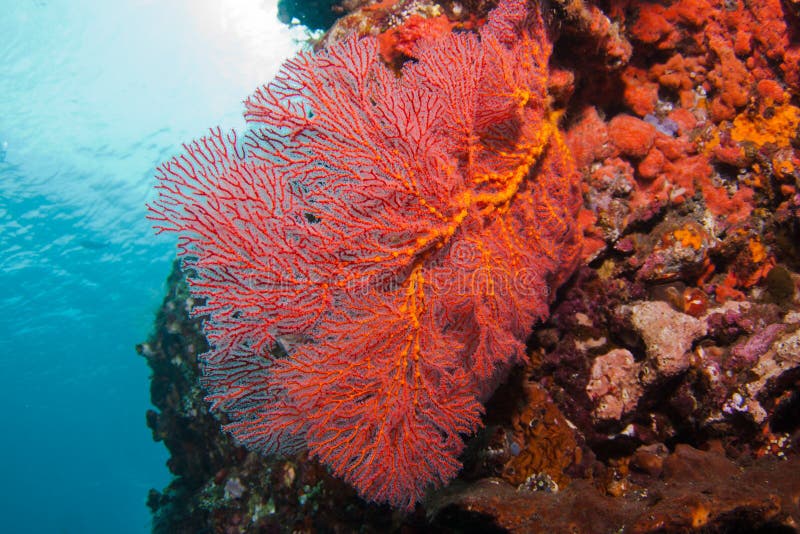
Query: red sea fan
396	236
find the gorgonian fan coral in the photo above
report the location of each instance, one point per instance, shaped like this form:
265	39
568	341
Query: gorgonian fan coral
396	236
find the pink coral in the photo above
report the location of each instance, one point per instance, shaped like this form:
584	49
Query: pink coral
614	384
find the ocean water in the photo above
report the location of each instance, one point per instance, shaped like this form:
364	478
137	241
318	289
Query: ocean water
93	95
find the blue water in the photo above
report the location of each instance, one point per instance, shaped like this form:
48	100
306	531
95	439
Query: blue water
93	94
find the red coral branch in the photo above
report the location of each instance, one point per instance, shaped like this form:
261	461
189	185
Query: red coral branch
397	236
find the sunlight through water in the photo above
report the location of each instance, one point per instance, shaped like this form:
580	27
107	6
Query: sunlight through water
93	96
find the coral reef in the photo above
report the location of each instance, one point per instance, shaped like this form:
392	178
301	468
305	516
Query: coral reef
395	237
219	486
662	393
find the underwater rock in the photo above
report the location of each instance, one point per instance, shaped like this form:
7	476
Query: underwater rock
614	384
699	491
667	334
314	14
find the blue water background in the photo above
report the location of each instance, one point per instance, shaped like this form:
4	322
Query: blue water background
93	95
